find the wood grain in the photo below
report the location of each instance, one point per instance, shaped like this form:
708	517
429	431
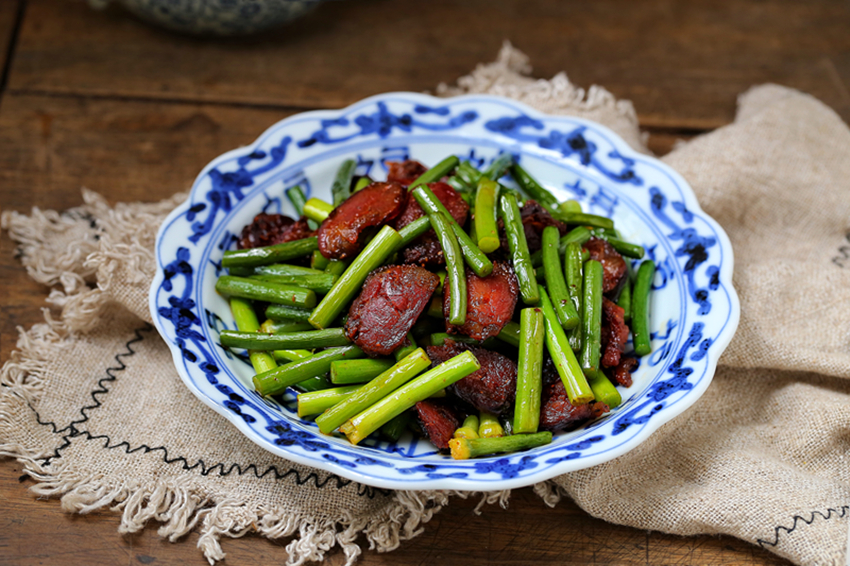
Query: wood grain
10	13
101	100
681	63
38	533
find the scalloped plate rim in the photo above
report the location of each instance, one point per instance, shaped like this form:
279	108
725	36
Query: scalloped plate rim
465	484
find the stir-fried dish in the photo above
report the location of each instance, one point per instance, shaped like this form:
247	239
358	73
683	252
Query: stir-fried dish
468	306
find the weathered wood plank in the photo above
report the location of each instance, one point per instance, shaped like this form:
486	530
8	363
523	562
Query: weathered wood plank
682	63
126	151
36	532
9	16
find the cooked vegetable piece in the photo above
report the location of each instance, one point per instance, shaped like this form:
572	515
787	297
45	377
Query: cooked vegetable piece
591	317
614	333
490	388
284	269
340	235
397	425
498	167
349	283
460	186
454	267
269	254
318	261
269	229
317	210
361	183
474	257
519	250
435	307
604	391
562	355
316	402
529	371
532	188
436	172
463	448
584	219
345	372
569	206
392	299
439	338
231	286
490	302
316	283
341	187
535	219
336	267
510	334
273	327
555	284
284	312
625	248
327	338
469	429
468	174
486	230
489	425
442	275
422	387
579	235
424	327
290	355
408	346
558	413
426	250
297	197
378	388
246	320
317	383
613	264
640	308
276	381
405	172
438	421
413	230
573	272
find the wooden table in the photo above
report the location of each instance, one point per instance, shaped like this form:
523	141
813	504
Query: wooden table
98	99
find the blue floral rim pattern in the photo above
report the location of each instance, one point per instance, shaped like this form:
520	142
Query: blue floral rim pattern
694	310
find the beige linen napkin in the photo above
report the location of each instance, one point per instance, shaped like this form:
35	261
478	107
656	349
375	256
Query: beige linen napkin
92	406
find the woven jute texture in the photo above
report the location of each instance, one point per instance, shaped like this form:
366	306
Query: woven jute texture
92	405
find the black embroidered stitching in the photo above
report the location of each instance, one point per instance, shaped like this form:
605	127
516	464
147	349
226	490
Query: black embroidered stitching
101	389
110	376
223	469
226	471
840	512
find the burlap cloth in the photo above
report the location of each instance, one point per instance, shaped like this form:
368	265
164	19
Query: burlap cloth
93	407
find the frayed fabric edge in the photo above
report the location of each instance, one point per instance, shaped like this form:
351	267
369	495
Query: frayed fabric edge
182	507
509	75
180	504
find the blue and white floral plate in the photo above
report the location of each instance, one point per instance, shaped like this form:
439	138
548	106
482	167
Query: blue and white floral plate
694	309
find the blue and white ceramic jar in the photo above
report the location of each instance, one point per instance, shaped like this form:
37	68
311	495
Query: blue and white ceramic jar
215	17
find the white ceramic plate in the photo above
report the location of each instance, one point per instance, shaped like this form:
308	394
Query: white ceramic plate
694	309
